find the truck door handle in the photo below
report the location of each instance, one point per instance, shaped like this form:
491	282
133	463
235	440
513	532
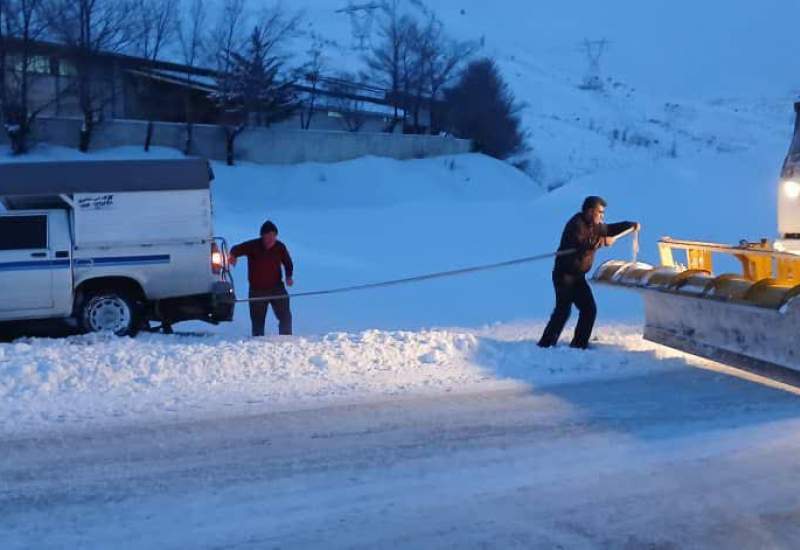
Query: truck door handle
62	254
39	255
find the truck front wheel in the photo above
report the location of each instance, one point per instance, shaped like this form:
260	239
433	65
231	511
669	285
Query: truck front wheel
110	311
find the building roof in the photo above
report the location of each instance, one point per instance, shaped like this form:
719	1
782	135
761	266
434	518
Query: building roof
29	179
41	47
200	83
203	78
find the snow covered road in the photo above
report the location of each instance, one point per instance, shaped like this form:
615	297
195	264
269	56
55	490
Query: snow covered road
680	457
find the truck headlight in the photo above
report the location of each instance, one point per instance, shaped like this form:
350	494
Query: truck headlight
791	189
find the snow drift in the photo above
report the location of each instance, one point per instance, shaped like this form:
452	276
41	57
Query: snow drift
101	381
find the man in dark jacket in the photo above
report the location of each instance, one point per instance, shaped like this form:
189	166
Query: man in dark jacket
265	257
585	233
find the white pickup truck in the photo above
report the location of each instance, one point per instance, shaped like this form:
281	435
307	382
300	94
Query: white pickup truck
111	245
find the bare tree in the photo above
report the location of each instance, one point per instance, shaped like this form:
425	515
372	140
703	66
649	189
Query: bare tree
191	34
311	73
251	82
428	61
4	24
422	48
24	24
388	60
226	41
4	10
414	60
156	22
89	28
410	68
444	60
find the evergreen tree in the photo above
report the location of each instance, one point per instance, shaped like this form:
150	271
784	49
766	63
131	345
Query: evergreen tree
253	89
258	86
482	108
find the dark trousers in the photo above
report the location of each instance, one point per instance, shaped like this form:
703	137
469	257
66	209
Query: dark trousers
281	307
571	289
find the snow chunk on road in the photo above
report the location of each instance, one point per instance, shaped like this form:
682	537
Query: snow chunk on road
97	380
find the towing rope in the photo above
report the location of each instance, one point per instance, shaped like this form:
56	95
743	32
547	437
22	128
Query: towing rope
409	280
430	276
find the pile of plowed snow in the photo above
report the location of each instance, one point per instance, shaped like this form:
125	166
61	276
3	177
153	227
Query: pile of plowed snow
98	380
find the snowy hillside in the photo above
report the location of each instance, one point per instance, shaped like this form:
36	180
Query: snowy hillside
680	77
675	49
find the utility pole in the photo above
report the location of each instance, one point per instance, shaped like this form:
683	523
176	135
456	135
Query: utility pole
362	17
594	51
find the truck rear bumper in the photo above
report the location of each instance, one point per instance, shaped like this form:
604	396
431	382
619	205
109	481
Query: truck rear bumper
223	302
215	307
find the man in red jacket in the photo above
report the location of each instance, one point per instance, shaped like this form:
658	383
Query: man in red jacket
265	258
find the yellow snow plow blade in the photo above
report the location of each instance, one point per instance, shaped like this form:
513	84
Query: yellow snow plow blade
747	320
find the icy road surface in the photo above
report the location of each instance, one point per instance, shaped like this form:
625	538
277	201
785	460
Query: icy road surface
679	456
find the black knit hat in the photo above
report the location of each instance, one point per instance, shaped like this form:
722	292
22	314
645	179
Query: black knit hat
269	227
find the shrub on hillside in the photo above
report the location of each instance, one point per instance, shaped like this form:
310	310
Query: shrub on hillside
482	108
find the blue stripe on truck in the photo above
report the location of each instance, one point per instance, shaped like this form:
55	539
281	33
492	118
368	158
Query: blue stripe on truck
84	263
31	266
123	260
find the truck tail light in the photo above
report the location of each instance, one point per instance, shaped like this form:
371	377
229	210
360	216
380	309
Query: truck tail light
217	259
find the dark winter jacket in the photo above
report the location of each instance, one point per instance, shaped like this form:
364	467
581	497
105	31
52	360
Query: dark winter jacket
586	238
264	265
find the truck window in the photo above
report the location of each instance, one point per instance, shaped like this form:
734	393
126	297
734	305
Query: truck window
23	232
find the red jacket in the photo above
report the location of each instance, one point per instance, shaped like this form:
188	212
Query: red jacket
264	266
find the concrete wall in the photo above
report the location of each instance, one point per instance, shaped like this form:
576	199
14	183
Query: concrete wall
331	121
261	145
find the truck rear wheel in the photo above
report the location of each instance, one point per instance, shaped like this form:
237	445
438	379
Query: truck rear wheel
110	311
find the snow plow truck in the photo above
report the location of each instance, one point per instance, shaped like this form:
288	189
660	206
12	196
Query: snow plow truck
749	319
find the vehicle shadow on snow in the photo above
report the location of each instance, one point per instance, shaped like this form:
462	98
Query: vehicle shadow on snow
10	331
57	329
637	392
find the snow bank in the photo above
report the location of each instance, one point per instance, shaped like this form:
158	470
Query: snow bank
99	381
